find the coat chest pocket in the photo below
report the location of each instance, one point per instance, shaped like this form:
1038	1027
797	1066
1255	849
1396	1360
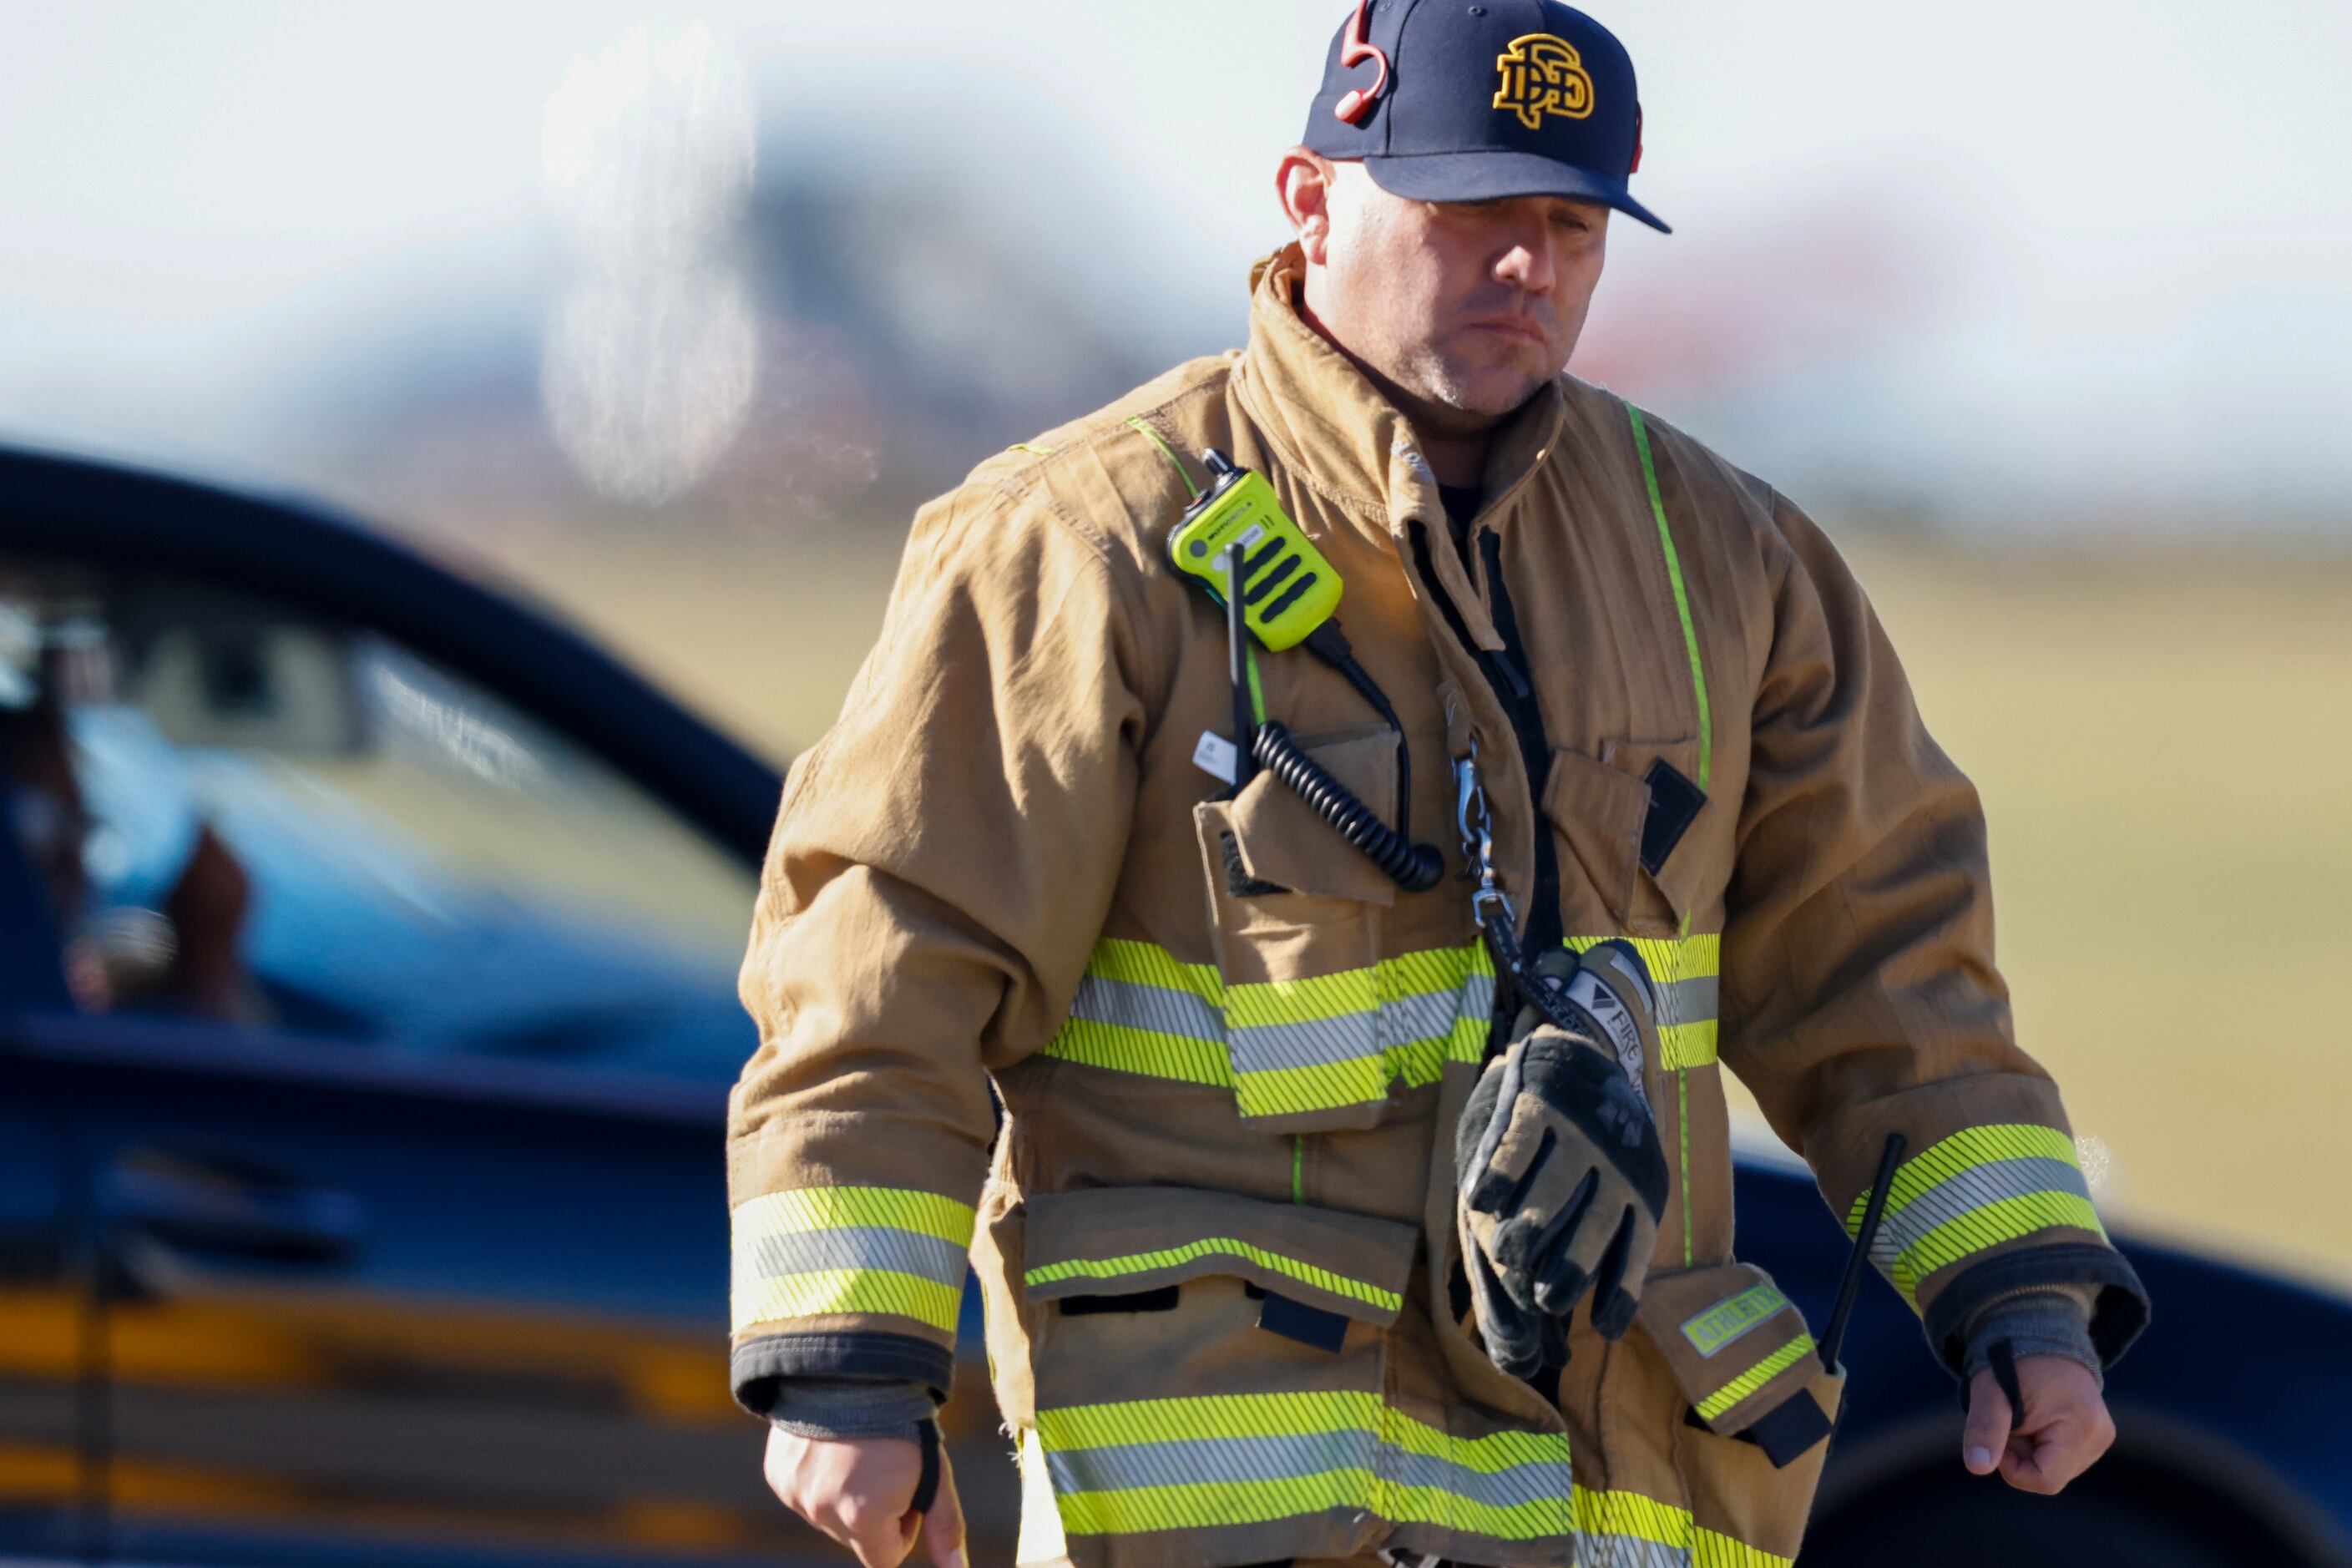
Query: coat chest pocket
1319	1029
1636	823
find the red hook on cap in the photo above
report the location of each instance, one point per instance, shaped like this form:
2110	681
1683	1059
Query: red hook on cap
1355	51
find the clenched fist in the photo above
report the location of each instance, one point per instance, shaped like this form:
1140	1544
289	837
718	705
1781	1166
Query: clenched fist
861	1492
2060	1433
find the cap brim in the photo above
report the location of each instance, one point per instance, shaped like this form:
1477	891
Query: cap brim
1488	176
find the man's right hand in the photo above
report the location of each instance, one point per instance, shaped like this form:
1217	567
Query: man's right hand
861	1492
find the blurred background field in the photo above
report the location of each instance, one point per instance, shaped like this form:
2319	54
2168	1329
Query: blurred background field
674	318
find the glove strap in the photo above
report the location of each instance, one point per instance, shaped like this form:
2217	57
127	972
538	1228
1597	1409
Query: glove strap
927	1489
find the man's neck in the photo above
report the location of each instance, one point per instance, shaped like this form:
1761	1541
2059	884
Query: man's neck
1454	443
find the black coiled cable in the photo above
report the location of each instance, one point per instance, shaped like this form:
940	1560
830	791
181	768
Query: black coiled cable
1415	867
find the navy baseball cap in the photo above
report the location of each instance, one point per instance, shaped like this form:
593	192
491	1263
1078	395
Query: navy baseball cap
1470	100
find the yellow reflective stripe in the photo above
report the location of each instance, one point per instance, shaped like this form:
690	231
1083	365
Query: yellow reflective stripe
1285	1416
1183	1445
847	1290
1032	447
1136	1511
1669	958
1633	1517
1969	1147
1995	1223
1684	1046
842	1208
813	1292
1223	1246
1686	1042
1711	1550
1207	1504
1289	1091
1755	1377
1211	1416
1123	1048
1147	963
1348	994
1976	1189
1359	1006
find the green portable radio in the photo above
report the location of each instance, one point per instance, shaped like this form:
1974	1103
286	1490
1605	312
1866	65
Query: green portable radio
1288	589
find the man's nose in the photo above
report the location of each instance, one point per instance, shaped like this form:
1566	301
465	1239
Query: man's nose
1527	264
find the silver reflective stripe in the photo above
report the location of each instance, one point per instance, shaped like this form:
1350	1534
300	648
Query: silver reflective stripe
1478	999
1595	1551
1126	1004
1223	1460
851	1248
1208	1460
1319	1042
1429	1016
1689	1000
1971	1189
1538	1480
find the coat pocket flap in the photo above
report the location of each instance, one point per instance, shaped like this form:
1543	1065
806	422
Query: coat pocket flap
1282	843
1600	811
1738	1348
1120	1241
1676	818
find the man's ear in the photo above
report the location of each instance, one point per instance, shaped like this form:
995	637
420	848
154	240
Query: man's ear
1303	182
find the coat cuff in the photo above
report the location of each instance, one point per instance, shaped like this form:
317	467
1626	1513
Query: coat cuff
758	1366
837	1408
2117	1315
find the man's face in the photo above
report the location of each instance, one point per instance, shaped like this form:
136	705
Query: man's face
1464	306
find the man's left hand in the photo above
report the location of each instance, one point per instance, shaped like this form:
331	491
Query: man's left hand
2064	1431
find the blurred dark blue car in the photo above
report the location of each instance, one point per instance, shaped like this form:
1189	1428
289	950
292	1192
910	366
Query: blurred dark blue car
403	1240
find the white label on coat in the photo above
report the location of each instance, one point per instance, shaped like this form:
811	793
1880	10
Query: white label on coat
1217	757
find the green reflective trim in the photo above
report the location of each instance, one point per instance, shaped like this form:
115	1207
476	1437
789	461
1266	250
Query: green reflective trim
1215	1246
1705	749
1032	448
1756	1377
1725	1321
1298	1170
833	1208
1170	453
1682	596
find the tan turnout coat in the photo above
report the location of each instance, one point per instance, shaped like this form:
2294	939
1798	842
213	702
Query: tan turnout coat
1231	1052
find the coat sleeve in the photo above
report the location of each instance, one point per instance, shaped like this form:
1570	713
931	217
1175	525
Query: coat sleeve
1860	994
941	861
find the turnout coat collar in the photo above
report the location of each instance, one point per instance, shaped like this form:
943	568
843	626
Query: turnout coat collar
1328	419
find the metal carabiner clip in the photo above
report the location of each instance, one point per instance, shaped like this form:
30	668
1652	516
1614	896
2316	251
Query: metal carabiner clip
1476	822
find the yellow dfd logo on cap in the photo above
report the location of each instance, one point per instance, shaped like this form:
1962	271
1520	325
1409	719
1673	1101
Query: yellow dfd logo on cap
1543	74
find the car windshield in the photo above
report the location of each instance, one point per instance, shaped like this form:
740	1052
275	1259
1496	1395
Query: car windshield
246	814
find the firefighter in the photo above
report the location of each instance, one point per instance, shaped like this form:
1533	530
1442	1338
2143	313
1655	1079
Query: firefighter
1362	1190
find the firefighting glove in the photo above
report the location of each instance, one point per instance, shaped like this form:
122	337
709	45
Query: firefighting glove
1560	1180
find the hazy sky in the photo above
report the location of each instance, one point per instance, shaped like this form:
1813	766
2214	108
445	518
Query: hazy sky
2094	253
